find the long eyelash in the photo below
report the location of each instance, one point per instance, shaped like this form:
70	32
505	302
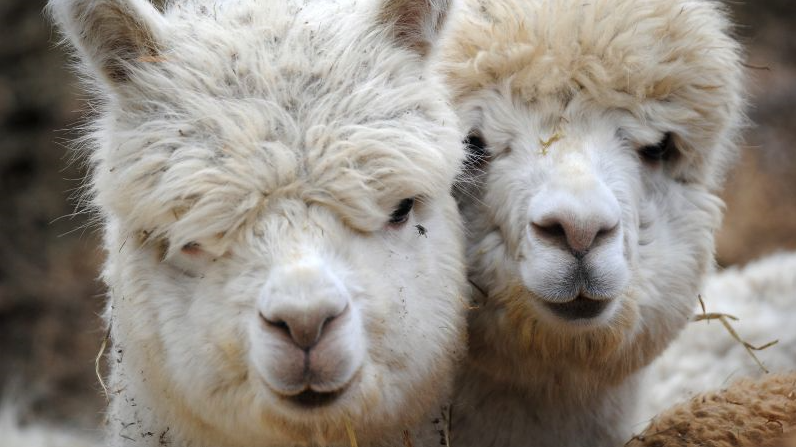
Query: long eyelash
662	151
402	211
476	150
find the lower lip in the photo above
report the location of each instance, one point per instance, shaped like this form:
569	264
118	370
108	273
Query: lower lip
581	308
310	399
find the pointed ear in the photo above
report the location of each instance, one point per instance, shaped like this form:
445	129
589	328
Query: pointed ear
110	35
415	23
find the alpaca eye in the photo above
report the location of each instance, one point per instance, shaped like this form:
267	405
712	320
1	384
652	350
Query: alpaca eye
476	150
401	213
655	153
192	260
476	147
192	249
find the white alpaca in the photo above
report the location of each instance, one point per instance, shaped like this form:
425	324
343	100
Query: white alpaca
762	296
601	131
264	171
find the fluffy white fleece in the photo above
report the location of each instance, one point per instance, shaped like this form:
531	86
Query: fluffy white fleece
266	172
704	357
605	121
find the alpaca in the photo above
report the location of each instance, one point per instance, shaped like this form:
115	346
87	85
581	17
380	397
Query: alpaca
748	413
762	295
599	135
263	171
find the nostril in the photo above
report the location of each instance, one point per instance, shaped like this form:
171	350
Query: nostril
279	325
607	231
326	322
577	235
550	230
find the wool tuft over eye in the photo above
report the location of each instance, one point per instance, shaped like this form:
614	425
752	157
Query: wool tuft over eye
401	213
663	151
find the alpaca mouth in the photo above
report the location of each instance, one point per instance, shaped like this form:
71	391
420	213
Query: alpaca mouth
581	308
310	399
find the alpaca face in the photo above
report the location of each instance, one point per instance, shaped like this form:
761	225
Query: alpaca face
571	226
599	133
583	204
284	254
308	323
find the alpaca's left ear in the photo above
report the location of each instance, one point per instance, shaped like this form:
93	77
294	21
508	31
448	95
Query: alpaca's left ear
111	36
415	23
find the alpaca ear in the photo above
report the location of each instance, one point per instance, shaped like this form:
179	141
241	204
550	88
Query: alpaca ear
110	35
415	23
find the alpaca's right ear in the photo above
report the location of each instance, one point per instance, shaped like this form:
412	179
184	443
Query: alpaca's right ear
110	35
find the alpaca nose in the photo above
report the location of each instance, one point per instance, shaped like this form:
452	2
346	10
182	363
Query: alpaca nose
304	326
302	301
577	232
576	221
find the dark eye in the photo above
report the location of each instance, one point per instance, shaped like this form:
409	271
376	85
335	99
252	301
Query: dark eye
191	249
476	149
664	150
191	261
401	213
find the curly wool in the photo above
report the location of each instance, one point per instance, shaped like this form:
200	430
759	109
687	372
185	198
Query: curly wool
746	414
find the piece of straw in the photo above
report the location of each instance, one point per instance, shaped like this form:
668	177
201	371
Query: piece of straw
549	142
352	436
724	319
97	362
408	439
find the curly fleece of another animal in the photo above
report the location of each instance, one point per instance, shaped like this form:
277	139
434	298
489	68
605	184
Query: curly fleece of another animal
746	414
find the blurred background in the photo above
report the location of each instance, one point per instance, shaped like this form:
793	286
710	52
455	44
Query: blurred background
50	297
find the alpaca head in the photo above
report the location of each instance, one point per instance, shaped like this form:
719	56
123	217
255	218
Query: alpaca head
599	132
264	171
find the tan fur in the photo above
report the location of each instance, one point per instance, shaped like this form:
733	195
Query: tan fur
603	357
746	414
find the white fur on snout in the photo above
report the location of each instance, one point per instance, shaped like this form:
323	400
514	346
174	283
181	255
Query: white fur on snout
303	295
321	345
578	201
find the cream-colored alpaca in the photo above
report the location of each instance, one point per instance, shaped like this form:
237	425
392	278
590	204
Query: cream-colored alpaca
284	255
601	131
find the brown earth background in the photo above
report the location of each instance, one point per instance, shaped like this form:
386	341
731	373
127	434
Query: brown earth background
50	299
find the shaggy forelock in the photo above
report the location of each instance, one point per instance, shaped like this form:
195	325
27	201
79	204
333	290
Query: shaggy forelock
225	130
672	63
